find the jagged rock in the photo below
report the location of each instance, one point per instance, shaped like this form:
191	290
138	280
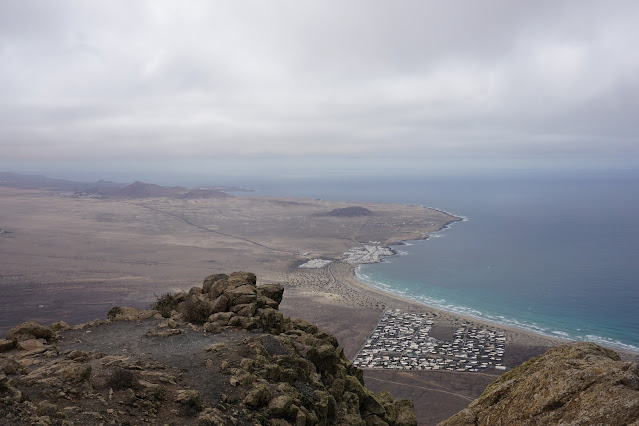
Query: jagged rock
282	372
212	327
131	314
30	345
59	326
579	383
212	417
324	357
216	347
239	278
272	291
405	413
243	294
221	318
220	304
46	408
76	372
195	291
271	320
245	310
6	345
306	326
281	406
265	302
191	399
29	330
9	366
259	396
212	279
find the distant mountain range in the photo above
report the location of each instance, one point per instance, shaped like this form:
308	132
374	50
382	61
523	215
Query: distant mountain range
110	189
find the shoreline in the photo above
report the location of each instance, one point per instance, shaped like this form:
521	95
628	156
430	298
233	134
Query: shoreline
620	347
520	335
469	317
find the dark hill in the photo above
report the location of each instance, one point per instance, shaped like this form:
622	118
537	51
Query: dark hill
196	194
354	211
147	190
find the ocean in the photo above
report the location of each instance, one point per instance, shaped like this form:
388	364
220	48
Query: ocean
553	253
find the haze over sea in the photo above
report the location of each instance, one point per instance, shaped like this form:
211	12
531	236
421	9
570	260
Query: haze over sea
555	253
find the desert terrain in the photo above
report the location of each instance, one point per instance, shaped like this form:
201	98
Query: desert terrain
72	258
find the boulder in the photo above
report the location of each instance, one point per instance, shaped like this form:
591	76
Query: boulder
9	366
212	327
59	326
405	409
220	304
245	310
195	291
29	330
30	345
259	396
190	399
245	293
6	345
212	417
265	302
239	278
212	279
221	318
131	314
271	320
75	372
272	291
281	406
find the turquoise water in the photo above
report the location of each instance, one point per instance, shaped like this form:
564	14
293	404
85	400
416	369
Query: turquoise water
555	254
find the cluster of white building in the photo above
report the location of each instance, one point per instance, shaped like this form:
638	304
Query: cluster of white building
401	341
80	194
367	253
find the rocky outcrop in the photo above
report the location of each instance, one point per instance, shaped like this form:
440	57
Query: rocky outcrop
240	362
577	384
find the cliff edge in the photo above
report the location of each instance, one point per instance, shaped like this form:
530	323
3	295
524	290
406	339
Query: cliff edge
220	354
573	384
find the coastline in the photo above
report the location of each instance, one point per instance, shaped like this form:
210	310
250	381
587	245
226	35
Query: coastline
525	342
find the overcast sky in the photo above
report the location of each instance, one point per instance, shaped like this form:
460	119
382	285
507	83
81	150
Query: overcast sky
154	79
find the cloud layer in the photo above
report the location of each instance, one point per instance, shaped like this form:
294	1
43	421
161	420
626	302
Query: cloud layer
123	79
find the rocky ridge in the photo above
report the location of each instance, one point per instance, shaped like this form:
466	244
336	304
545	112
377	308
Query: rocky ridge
573	384
219	354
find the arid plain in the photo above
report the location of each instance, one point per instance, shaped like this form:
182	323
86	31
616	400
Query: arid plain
69	258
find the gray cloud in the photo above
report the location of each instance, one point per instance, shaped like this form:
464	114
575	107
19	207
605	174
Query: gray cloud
359	78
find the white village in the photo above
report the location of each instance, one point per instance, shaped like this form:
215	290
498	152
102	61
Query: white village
401	341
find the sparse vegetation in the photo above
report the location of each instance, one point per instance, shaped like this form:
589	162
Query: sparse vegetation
121	378
114	311
164	304
196	311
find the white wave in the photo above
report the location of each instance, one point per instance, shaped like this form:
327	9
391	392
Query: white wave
605	341
502	320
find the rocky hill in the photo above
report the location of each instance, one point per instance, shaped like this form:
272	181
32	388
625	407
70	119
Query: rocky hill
198	194
220	354
354	211
575	384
